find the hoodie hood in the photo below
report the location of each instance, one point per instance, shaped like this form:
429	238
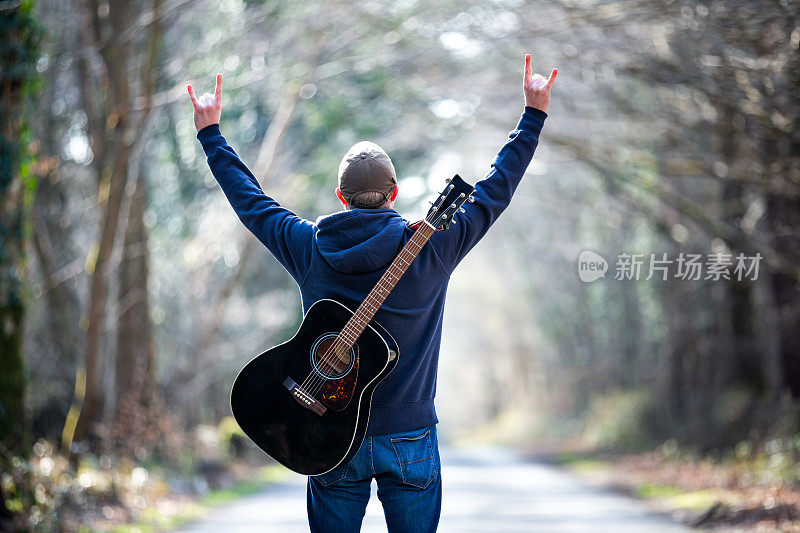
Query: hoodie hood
360	240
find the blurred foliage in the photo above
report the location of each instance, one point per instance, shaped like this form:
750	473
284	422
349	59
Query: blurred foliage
38	489
619	420
48	493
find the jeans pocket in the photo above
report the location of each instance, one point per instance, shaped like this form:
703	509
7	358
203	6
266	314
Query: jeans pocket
329	478
416	458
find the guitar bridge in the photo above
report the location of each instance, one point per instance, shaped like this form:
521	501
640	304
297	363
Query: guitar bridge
303	397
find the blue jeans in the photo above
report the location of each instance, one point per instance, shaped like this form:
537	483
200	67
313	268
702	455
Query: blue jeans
407	469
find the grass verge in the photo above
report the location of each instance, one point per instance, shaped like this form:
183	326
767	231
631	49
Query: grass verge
668	496
169	515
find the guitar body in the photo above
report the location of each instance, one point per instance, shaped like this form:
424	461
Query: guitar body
307	412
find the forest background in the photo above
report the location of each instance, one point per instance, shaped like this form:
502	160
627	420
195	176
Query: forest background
130	294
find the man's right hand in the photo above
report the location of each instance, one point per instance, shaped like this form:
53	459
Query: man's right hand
207	108
537	87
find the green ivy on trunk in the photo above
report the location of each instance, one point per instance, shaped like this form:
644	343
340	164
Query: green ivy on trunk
19	41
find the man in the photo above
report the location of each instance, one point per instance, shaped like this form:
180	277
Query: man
341	257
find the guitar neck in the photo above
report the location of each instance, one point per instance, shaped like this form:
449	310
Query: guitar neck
358	322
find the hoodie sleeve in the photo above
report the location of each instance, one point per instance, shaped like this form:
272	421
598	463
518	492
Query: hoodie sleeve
493	193
287	236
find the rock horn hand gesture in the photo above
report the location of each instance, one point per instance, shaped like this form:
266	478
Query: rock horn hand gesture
537	87
207	108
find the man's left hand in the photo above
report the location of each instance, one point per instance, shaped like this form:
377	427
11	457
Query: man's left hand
207	108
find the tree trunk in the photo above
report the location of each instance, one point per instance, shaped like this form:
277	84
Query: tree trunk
783	217
52	239
91	405
135	365
112	135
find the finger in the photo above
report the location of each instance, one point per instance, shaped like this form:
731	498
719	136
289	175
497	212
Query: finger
195	103
552	78
528	71
218	88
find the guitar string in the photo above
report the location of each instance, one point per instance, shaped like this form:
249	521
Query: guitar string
315	380
343	338
346	338
371	304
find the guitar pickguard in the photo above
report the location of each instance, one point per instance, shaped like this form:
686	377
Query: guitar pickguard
336	394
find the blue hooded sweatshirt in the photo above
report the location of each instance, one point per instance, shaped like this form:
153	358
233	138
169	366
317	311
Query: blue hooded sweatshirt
343	255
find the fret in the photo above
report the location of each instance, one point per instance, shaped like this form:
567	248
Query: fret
367	309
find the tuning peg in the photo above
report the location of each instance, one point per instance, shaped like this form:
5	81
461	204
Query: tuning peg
448	180
461	209
471	199
455	221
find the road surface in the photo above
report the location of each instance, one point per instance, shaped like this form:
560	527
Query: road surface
484	491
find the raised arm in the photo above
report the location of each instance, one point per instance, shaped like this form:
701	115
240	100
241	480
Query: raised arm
286	236
493	193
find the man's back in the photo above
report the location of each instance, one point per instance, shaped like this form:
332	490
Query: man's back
350	252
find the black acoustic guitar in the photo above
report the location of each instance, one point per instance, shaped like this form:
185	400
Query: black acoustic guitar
306	402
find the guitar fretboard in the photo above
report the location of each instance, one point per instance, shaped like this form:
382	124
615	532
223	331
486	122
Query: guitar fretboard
358	322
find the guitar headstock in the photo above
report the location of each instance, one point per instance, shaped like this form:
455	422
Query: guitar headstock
449	202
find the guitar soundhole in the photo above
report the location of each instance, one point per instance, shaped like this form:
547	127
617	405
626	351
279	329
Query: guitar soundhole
329	363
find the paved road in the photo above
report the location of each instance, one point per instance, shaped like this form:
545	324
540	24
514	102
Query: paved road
484	491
